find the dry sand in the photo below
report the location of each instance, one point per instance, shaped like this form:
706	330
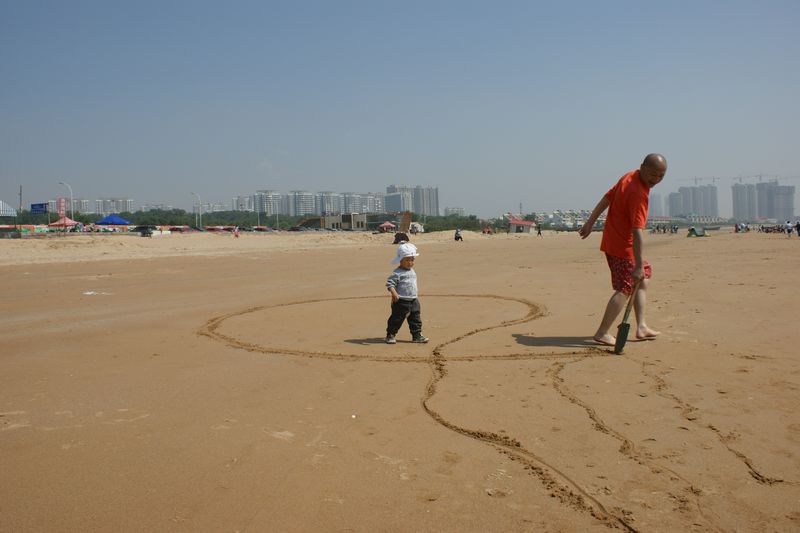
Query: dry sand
206	383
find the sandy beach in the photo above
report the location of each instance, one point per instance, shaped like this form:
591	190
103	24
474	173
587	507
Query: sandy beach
205	383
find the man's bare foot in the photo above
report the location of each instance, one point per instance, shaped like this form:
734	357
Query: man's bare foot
646	334
605	340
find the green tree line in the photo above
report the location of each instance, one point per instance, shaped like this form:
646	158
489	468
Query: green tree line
179	217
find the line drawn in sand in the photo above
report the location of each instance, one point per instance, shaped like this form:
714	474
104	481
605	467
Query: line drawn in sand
560	485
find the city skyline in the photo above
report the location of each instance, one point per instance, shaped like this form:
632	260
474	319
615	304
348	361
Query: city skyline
487	101
762	200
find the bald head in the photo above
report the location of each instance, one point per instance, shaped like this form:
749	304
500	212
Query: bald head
653	170
655	161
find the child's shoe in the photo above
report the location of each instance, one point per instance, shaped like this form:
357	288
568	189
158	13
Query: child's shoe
390	339
420	338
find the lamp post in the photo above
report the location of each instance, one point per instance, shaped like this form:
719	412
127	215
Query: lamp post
71	202
200	210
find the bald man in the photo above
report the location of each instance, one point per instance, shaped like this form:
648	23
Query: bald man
623	243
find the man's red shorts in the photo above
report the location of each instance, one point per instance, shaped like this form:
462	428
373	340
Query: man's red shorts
622	273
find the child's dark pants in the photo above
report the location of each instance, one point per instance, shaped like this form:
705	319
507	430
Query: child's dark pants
402	309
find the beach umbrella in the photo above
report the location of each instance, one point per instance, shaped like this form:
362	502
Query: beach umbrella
112	220
62	222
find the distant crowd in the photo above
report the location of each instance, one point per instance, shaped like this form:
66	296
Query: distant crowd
787	229
664	228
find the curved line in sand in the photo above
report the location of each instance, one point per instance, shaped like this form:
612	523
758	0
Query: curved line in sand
534	311
557	482
560	485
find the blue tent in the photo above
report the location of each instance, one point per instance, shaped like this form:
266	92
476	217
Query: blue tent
113	220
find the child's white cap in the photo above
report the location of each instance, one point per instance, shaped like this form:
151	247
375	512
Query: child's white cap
405	250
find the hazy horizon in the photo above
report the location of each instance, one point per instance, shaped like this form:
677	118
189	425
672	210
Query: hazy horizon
496	104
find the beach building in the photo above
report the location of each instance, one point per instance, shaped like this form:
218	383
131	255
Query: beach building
517	225
454	211
704	219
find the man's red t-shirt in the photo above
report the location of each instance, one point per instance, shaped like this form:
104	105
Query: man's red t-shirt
629	200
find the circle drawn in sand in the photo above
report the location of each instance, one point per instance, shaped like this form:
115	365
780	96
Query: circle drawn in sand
253	329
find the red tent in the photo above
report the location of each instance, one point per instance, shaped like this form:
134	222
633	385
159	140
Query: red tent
387	225
62	222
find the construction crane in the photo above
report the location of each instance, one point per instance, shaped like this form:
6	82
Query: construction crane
698	180
760	177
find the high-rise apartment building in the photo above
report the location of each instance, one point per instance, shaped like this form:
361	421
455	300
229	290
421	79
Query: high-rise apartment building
362	202
656	208
6	210
424	200
709	205
270	203
698	200
397	202
675	204
775	201
784	202
108	206
242	203
373	202
301	203
79	205
156	207
328	203
744	202
353	203
454	211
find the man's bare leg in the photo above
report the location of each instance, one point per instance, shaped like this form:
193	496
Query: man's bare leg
615	305
643	332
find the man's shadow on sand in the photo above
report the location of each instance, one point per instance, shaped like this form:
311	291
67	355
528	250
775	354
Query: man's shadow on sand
560	342
525	340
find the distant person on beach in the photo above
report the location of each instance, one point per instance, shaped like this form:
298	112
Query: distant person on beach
539	230
458	236
400	237
623	242
402	285
236	232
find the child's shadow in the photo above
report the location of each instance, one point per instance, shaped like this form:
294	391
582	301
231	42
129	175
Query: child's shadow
561	342
368	341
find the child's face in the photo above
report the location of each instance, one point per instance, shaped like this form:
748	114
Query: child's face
407	262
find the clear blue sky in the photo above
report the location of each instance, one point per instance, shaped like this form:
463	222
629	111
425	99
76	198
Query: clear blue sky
496	103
